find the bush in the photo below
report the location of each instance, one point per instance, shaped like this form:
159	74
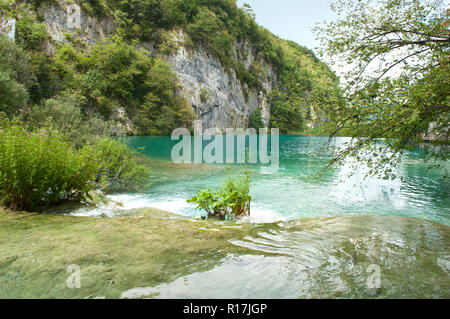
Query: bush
30	34
231	201
15	76
15	61
256	121
41	167
118	170
13	95
64	113
285	113
204	93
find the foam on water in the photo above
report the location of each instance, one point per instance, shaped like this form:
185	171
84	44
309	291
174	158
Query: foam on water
128	202
131	201
260	214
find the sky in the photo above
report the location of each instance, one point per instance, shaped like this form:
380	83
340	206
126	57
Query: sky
291	19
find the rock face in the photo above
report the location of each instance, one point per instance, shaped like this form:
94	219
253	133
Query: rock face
215	93
62	20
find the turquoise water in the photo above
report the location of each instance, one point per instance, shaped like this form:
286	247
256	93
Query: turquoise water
298	189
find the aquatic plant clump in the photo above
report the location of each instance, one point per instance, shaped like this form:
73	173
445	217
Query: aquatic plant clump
231	201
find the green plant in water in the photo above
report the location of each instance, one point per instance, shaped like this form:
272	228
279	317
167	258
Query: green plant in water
231	201
119	172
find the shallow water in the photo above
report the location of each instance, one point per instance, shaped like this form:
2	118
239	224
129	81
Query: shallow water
296	190
326	258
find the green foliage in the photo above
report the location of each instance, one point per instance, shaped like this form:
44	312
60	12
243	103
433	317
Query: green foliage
95	7
398	89
29	34
119	171
46	84
204	25
162	109
109	72
41	167
154	119
36	3
13	95
256	121
204	93
16	76
64	113
15	61
217	26
35	69
286	114
231	201
117	74
167	43
301	75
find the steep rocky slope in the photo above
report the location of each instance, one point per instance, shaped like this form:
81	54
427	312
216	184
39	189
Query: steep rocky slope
222	89
215	93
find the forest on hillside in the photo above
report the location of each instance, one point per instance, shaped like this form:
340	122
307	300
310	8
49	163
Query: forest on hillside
117	73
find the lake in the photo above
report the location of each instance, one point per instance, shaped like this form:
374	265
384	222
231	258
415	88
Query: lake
300	188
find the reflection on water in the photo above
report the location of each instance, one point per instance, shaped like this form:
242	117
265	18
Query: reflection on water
326	258
297	190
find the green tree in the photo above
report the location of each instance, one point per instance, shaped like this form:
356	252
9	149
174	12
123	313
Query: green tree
29	34
399	83
286	111
256	121
15	61
64	113
13	95
16	76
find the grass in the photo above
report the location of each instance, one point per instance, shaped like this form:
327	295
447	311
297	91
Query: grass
114	254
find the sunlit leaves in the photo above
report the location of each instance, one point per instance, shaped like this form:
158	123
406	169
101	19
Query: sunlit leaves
396	86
